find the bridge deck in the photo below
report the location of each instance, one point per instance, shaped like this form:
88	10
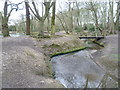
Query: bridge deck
91	37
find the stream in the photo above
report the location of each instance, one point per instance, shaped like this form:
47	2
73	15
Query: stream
78	70
14	35
73	70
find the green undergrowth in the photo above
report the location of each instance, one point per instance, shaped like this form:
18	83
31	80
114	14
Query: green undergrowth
36	35
67	51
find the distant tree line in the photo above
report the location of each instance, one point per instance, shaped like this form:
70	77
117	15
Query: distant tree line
95	18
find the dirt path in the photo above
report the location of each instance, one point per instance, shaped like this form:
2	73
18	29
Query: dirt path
24	64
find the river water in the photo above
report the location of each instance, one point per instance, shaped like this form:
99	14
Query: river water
14	35
78	70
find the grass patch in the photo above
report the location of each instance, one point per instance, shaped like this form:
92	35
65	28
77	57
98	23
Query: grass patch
67	51
29	53
54	46
36	35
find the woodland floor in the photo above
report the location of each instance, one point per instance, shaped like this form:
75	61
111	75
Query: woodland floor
24	64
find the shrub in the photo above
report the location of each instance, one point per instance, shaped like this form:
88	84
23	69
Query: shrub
78	29
12	28
91	27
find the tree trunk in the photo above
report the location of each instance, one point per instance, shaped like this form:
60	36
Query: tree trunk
95	14
70	17
47	5
118	14
48	23
112	26
27	19
1	21
41	27
78	13
53	20
117	23
66	30
5	29
96	19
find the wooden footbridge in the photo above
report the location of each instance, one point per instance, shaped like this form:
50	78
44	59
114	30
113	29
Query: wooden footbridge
95	39
92	37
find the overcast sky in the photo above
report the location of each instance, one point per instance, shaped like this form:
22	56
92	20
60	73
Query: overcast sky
16	15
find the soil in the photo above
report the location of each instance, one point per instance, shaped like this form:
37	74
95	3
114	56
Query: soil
25	61
24	65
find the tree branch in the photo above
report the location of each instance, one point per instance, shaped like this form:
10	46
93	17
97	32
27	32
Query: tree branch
5	9
34	13
10	12
13	6
47	5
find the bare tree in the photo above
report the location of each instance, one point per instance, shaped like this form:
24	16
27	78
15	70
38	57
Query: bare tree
112	24
94	10
66	30
119	14
70	11
48	23
0	21
6	16
103	15
47	4
78	13
117	22
27	18
5	30
53	19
